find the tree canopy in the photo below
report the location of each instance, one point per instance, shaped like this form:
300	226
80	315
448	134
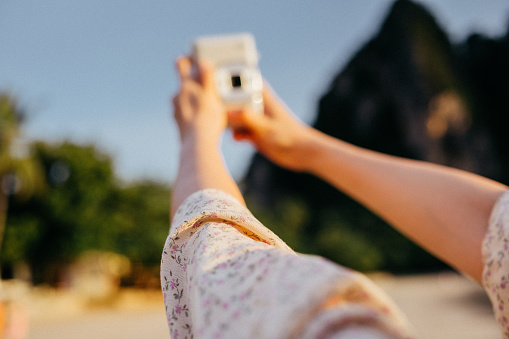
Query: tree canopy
84	207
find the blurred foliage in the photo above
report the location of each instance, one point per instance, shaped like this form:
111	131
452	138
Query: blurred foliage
20	175
346	234
85	207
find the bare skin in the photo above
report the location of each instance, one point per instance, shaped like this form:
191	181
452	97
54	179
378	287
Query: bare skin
202	119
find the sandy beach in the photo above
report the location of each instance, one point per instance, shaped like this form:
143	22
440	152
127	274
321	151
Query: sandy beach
443	305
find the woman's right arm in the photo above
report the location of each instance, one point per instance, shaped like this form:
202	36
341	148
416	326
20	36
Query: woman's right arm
444	210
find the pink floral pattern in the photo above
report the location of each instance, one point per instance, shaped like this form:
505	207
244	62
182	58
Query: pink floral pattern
496	262
224	275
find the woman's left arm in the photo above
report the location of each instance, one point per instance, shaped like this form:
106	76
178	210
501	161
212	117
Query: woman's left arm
202	119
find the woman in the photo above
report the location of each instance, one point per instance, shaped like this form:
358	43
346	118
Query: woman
224	274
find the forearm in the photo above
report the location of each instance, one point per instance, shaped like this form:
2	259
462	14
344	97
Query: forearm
201	167
444	210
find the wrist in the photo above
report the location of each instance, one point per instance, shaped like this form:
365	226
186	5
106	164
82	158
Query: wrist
203	138
310	149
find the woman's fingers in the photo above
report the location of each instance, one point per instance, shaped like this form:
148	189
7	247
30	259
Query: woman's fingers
241	134
184	68
206	74
242	120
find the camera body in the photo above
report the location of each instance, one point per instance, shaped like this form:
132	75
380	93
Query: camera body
238	78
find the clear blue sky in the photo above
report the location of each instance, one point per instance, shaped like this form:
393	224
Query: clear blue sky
102	71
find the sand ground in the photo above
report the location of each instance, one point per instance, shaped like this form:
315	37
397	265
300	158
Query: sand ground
444	305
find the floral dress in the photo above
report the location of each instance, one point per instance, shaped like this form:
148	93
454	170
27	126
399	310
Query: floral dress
225	275
496	262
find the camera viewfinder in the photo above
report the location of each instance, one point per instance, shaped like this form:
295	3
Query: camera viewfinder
236	81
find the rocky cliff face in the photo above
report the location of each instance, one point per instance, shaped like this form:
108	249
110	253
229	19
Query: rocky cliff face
407	92
411	93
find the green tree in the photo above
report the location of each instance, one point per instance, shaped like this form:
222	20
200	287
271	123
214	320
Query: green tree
85	208
20	174
74	214
142	219
142	225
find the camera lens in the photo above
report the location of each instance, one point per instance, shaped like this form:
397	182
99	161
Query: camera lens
236	81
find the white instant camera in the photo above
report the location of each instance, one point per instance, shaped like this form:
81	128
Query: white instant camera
238	78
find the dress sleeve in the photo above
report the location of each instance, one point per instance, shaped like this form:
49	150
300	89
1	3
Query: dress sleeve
225	275
495	252
212	204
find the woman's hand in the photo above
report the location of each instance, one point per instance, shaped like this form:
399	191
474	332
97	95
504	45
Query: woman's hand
202	119
198	109
277	134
